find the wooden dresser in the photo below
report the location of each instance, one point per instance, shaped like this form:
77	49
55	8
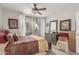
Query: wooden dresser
72	41
48	38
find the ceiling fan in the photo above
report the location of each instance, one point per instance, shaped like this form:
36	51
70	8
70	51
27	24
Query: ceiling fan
36	9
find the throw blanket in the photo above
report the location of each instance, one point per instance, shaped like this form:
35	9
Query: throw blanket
27	46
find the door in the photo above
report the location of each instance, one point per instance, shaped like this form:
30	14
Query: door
54	31
77	32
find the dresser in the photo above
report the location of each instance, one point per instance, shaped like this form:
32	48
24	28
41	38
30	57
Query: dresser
48	38
51	38
54	38
72	41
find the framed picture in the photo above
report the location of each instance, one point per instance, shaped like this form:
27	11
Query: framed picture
65	25
13	23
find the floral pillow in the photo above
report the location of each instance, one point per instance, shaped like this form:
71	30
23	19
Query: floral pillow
10	38
15	37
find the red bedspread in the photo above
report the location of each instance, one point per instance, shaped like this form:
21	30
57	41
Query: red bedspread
25	46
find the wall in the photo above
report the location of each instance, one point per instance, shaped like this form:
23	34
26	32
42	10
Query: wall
4	15
67	13
0	17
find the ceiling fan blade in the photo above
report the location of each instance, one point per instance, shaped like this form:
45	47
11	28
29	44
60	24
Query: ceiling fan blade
42	9
39	13
34	8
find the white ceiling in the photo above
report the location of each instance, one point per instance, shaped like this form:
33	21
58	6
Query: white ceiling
51	7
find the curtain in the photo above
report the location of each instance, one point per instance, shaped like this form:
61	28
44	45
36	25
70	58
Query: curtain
22	27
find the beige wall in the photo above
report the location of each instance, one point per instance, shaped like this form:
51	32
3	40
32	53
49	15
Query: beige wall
4	15
0	17
68	13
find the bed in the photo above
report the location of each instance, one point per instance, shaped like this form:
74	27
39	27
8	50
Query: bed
29	45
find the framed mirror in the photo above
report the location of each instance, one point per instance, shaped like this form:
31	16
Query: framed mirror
53	26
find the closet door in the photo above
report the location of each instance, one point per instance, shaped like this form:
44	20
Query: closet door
77	32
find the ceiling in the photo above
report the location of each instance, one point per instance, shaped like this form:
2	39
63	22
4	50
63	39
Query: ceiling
51	7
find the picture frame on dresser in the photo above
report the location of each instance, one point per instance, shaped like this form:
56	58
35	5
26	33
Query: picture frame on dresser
65	25
13	23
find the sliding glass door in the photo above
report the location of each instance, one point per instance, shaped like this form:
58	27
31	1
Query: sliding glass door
35	25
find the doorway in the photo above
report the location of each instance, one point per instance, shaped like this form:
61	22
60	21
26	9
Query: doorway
53	30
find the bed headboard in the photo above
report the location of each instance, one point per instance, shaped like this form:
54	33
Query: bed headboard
2	37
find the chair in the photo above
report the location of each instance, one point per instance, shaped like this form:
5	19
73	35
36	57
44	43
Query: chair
62	43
